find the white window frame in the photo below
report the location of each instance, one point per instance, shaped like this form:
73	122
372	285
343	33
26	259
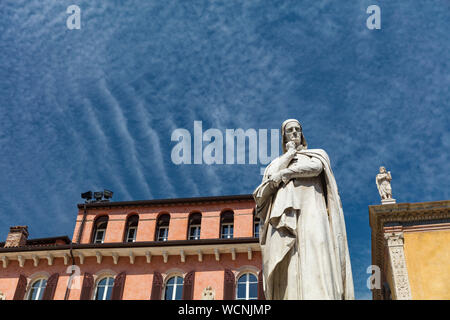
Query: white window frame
133	239
247	286
107	286
194	226
41	289
256	223
96	240
166	237
175	286
226	236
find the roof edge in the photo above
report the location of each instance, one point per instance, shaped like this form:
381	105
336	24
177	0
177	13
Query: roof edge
155	202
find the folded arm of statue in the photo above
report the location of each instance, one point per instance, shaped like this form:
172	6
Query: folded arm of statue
283	161
304	168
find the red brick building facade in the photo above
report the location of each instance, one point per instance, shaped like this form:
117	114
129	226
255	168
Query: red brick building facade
192	248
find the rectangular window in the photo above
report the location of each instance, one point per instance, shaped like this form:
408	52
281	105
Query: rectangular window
99	236
131	237
227	231
163	233
256	230
194	232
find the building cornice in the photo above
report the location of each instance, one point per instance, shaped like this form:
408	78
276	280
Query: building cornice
379	215
167	202
181	248
132	244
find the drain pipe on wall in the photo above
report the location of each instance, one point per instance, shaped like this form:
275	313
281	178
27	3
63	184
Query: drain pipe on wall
80	233
69	284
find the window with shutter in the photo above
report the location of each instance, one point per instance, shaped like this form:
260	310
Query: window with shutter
119	283
228	285
157	286
88	285
37	288
21	288
247	287
104	288
188	286
50	289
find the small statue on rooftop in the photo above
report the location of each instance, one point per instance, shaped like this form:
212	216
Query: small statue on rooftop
383	181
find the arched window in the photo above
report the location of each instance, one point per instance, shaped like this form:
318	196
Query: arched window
104	288
174	288
195	220
131	228
247	287
256	225
37	289
226	225
100	224
162	231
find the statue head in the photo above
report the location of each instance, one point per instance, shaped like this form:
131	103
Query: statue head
291	130
382	170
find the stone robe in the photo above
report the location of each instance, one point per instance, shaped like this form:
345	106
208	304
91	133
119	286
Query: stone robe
384	186
303	239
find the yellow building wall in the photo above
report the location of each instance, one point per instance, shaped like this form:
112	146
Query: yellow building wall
427	255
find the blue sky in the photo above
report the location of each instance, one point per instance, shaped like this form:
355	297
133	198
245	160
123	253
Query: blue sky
95	108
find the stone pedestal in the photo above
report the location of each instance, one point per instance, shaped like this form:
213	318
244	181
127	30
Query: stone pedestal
388	201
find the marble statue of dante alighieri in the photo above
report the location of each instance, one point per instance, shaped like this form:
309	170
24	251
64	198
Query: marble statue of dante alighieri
303	238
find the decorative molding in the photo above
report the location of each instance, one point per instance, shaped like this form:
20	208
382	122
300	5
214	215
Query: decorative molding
397	265
217	254
233	254
35	260
245	269
249	253
37	275
21	260
81	256
66	258
5	261
132	256
115	257
208	293
50	259
98	253
99	257
104	273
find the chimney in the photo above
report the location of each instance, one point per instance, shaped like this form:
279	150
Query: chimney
17	236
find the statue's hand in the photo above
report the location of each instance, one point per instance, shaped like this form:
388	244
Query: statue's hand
291	146
276	177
